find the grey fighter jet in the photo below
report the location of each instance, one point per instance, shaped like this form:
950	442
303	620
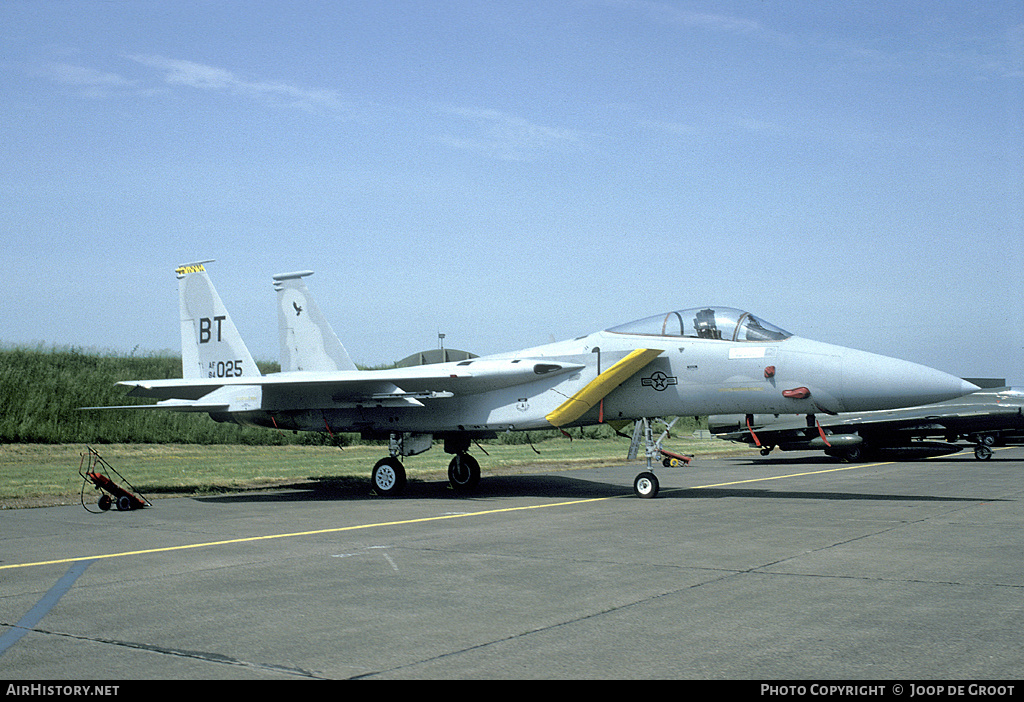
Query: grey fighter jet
706	360
985	418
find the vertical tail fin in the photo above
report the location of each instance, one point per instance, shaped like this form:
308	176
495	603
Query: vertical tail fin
211	346
307	340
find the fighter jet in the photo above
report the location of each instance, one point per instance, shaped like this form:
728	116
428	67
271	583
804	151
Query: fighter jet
983	418
705	360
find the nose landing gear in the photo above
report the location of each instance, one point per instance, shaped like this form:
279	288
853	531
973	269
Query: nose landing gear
646	483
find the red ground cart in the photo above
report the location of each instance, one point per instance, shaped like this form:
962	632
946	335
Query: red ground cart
94	469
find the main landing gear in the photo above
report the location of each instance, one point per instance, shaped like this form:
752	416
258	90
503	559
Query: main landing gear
463	473
983	444
388	476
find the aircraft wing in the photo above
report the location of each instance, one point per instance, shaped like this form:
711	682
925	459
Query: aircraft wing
176	405
415	382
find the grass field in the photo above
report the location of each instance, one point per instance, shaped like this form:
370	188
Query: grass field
36	475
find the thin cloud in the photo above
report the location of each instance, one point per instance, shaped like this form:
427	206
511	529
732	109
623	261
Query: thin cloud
671	14
488	132
504	136
177	72
88	82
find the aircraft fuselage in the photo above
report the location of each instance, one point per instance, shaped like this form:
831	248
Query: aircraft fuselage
689	376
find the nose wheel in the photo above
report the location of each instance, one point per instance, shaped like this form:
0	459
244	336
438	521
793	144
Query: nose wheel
646	485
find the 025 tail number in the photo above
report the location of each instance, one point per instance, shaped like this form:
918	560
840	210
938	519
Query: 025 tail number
225	369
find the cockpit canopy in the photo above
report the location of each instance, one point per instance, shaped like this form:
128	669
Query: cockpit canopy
723	323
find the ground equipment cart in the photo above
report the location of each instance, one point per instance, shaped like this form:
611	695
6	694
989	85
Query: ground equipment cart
94	469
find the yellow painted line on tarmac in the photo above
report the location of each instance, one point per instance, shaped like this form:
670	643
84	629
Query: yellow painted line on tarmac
271	537
793	475
420	520
817	472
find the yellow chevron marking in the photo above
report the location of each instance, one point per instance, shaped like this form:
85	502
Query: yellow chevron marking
577	405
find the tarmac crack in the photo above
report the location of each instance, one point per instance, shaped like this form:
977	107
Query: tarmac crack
539	630
204	656
760	569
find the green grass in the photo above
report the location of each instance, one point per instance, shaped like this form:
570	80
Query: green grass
34	475
42	389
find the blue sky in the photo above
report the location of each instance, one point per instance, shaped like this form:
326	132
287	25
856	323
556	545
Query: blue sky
508	173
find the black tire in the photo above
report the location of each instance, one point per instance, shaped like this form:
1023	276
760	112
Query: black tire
463	473
982	452
388	477
646	485
124	503
853	454
105	502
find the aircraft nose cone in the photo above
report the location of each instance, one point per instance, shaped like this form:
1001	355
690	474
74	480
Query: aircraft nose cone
871	382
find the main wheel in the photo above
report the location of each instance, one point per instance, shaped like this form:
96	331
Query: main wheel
646	485
388	477
852	454
463	473
124	503
105	502
982	452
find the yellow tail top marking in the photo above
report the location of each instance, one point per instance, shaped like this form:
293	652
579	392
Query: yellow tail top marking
189	269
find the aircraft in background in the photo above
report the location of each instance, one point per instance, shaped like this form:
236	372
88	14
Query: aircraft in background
708	360
985	418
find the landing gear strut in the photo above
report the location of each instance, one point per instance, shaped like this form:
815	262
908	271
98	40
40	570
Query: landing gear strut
983	444
646	483
463	471
388	476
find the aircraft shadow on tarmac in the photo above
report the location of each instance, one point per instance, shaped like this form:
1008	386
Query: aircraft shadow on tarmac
340	489
549	486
